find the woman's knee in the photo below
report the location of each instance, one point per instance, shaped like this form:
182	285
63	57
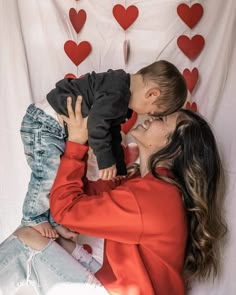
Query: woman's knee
32	238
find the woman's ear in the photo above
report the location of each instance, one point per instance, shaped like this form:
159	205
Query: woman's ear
153	93
168	138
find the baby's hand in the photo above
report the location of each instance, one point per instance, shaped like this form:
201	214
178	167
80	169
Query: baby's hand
108	173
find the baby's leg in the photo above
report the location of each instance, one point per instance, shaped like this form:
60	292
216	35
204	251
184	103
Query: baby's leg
53	232
46	230
44	142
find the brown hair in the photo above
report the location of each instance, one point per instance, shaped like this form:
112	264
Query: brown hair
194	161
170	82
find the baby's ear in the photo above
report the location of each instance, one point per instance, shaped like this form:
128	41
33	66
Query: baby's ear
153	93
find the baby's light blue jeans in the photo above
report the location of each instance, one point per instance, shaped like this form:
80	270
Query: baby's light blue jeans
49	271
44	142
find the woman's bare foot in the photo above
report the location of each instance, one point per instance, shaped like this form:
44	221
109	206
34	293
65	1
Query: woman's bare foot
46	230
66	233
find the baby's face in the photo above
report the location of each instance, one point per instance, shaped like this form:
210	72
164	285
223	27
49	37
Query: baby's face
146	105
150	109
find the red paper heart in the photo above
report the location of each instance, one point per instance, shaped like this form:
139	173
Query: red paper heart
69	75
131	153
190	15
88	248
125	127
77	19
191	78
125	17
77	53
191	106
191	47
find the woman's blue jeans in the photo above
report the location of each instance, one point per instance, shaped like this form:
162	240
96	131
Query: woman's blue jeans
49	271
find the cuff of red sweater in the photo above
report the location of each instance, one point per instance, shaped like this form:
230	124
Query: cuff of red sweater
75	150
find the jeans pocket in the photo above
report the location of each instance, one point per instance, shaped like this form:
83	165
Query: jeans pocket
53	140
53	133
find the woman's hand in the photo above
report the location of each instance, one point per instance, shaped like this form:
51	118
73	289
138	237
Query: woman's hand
108	173
76	124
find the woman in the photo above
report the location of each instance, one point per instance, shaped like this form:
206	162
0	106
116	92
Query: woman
159	227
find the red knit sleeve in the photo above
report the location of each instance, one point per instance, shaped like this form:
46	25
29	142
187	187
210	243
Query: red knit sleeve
113	214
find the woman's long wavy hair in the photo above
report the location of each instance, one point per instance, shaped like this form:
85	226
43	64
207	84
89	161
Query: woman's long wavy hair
194	161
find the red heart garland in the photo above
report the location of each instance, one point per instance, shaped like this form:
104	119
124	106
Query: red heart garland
125	17
126	50
69	75
191	47
77	19
77	53
190	15
125	127
191	106
191	78
131	153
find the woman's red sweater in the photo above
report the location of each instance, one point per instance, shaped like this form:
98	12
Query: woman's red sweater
143	222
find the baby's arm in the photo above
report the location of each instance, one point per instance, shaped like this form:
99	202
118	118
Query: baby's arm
57	97
102	116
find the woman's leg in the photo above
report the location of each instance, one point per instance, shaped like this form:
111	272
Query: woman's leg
31	238
13	265
29	258
80	254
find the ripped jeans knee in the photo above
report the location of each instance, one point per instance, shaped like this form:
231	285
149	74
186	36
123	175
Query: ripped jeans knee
44	270
32	238
17	266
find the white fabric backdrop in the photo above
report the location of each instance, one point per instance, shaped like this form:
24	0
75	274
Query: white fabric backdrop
32	59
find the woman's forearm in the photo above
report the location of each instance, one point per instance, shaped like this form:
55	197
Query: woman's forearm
66	186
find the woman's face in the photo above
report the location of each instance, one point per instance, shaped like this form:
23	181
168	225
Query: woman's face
153	133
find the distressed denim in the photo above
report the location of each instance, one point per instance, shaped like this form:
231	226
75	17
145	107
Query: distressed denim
49	271
44	142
